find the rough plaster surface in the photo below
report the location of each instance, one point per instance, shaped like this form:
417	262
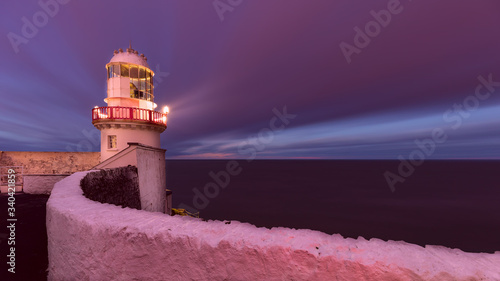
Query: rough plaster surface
88	240
40	184
50	162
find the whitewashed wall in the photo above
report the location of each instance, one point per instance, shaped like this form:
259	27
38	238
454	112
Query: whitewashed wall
92	241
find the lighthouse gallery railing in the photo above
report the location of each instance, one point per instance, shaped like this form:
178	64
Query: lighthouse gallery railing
129	113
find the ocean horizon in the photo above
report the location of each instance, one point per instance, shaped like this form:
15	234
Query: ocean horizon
453	203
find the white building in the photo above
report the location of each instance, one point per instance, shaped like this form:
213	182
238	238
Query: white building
130	127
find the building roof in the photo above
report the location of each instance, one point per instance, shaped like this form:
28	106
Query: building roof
129	56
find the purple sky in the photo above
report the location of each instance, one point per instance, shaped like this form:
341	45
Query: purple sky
226	76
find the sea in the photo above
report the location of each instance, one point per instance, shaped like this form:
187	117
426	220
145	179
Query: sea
452	203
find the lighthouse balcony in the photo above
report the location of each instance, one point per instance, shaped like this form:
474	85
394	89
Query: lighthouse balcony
118	113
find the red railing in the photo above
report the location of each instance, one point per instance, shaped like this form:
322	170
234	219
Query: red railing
129	113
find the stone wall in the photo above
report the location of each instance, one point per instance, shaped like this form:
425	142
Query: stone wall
42	169
88	240
34	162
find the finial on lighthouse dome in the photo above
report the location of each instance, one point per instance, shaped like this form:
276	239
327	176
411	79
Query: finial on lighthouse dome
130	56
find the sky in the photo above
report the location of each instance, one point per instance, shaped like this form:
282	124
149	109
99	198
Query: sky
322	79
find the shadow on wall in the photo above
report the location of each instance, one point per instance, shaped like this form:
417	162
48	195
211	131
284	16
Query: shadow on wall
119	186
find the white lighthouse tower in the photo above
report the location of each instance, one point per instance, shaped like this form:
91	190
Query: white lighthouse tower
130	116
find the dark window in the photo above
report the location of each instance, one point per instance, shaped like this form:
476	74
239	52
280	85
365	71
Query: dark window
124	70
134	92
116	70
134	72
112	142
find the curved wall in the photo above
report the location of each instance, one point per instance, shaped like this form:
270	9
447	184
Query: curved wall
88	240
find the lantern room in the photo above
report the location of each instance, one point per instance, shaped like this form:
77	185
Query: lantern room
130	81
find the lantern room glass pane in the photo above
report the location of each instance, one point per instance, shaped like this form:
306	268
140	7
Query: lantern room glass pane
142	85
124	70
134	73
134	90
116	70
142	73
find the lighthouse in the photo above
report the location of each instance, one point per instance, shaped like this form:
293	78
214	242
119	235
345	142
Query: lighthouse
130	115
